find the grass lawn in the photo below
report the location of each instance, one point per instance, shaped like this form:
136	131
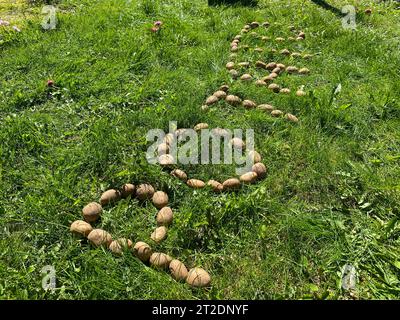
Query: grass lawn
332	193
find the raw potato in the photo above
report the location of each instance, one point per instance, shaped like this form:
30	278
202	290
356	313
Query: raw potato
285	52
128	189
198	277
279	39
271	66
299	39
230	65
166	160
234	73
165	216
160	199
265	24
231	184
159	234
291	69
224	87
233	100
80	228
302	35
246	77
273	75
200	126
276	113
162	148
160	260
260	50
248	104
307	56
91	212
248	177
180	174
204	107
117	246
219	132
254	156
281	66
295	55
211	100
215	185
144	191
274	87
277	70
99	237
300	93
260	64
220	94
261	83
110	196
304	71
260	169
142	251
254	24
237	143
234	49
265	107
291	117
284	91
196	184
178	270
267	79
265	38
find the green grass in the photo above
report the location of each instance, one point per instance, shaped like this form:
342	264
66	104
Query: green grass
332	194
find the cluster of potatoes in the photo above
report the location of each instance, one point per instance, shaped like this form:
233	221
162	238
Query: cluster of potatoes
196	277
223	94
275	69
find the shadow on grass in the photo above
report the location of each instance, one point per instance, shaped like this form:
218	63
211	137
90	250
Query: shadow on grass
250	3
329	7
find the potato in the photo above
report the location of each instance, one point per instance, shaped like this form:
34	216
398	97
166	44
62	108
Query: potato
233	55
291	39
233	100
276	113
248	177
244	31
159	234
230	65
215	185
244	64
299	39
247	27
261	64
162	148
234	49
295	55
117	246
201	126
273	50
178	270
368	11
260	169
292	69
231	184
307	56
291	117
285	52
249	104
274	87
220	94
160	199
237	143
279	39
237	37
128	189
265	24
180	174
265	38
165	216
169	138
110	196
273	75
268	79
300	93
219	132
205	108
254	156
261	83
284	91
246	77
234	74
166	160
195	183
211	100
265	107
304	71
281	66
254	24
260	50
144	191
277	70
224	88
301	35
198	277
271	66
292	28
142	251
99	237
91	212
80	228
160	260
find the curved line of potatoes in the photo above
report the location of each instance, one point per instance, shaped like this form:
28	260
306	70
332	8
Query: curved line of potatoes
195	277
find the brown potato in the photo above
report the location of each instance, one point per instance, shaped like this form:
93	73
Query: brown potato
144	191
271	66
300	93
211	100
276	113
249	104
284	91
220	94
128	189
231	184
196	183
265	24
80	228
304	71
180	174
281	66
277	71
230	65
291	117
307	56
201	126
160	199
244	64
234	74
237	143
254	24
117	246
261	64
110	196
260	169
215	185
165	216
162	148
91	212
285	52
292	69
233	100
296	55
274	87
178	270
219	132
99	237
254	156
301	34
265	107
166	160
246	77
248	177
142	251
261	83
198	277
159	234
224	88
160	260
169	138
279	39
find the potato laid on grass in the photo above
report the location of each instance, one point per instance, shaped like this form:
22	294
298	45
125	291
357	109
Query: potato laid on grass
249	104
248	177
178	270
91	212
80	228
160	199
99	237
144	191
165	216
220	94
118	246
260	169
198	277
160	260
231	184
196	183
159	234
215	185
128	189
180	174
265	107
291	117
142	251
274	87
254	156
246	77
211	100
110	196
233	100
237	143
276	113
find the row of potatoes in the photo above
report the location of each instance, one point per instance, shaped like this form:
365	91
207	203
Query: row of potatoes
196	277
